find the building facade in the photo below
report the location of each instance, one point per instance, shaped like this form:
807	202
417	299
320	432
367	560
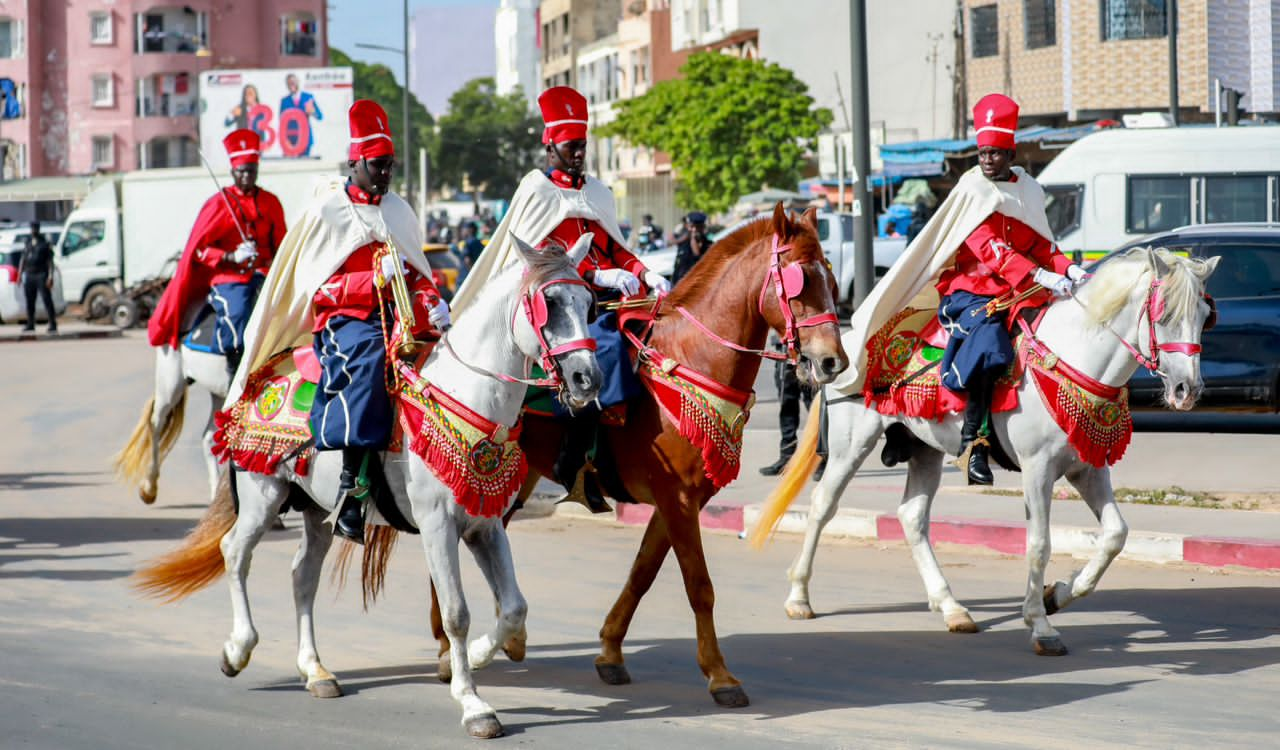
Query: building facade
109	85
566	27
515	41
448	46
1068	61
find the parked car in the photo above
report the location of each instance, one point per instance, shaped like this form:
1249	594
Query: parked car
445	267
1240	362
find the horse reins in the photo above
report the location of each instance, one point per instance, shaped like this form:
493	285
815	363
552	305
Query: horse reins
1153	309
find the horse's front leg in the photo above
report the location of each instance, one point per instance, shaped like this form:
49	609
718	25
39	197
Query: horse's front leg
492	551
260	500
685	534
655	545
317	537
1037	485
1094	485
166	405
851	435
924	474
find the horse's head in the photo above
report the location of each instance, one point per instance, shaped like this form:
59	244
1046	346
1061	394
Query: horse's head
799	293
553	330
1173	311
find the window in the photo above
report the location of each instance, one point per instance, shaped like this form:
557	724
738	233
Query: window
169	30
1249	268
10	38
1133	19
83	235
1062	207
299	35
1038	23
984	23
104	94
100	31
1158	203
1235	199
103	152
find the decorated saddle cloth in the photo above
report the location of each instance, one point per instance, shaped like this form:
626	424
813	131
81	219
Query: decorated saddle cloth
903	380
271	421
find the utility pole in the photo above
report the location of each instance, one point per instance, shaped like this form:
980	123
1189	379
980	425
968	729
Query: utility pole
1171	9
863	256
408	143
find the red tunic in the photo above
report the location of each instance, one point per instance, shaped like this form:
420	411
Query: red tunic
350	291
1000	257
204	261
605	251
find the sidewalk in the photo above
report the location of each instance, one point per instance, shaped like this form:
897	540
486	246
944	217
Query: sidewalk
1213	463
67	329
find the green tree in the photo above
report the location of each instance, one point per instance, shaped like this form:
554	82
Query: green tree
490	140
377	82
730	126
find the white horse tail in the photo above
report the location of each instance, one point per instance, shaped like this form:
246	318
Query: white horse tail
379	541
133	463
799	469
198	561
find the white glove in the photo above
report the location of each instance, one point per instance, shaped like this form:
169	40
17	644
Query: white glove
388	269
657	282
617	278
1076	273
1055	282
439	316
244	252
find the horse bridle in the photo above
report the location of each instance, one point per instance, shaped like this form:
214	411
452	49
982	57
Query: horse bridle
787	283
1154	310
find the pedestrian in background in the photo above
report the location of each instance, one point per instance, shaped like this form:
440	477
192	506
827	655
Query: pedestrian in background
36	271
790	393
692	244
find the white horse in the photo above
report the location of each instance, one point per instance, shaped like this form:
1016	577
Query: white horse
160	424
492	340
1144	301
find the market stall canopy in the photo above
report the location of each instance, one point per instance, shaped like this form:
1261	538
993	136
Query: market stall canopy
928	158
763	200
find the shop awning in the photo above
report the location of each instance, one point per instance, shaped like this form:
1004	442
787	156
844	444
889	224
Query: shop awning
45	189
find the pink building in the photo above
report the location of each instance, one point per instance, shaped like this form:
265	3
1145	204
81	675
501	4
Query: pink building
112	84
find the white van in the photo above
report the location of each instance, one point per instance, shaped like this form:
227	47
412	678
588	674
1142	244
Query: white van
1115	186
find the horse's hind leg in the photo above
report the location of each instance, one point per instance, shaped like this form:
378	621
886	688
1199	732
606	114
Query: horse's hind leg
307	563
492	552
653	551
260	499
1037	485
206	440
845	418
924	474
1094	485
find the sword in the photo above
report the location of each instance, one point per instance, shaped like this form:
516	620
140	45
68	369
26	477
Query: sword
243	237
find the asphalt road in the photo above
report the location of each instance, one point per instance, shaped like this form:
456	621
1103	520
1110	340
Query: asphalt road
1161	656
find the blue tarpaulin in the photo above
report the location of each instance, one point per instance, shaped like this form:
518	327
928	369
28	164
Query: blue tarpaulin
928	158
12	108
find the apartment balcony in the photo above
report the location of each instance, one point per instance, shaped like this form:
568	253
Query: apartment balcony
167	95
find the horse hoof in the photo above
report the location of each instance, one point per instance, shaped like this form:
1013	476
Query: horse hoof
325	688
1050	647
961	623
515	650
731	697
226	667
484	727
1050	601
799	611
613	674
444	668
146	496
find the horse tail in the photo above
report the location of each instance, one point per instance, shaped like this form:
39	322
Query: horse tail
799	469
379	541
198	561
133	462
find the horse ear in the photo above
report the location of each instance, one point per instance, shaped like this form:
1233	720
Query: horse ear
1157	263
810	217
780	222
580	248
527	253
1208	267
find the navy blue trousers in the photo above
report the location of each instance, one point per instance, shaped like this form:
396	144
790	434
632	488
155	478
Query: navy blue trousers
352	408
979	343
232	305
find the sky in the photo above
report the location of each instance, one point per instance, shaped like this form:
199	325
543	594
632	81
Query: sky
378	22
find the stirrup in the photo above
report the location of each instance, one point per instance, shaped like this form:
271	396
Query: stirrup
961	461
578	492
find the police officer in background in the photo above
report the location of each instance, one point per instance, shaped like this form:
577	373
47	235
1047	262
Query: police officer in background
36	271
692	244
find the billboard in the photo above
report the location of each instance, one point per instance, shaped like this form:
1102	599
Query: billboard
300	113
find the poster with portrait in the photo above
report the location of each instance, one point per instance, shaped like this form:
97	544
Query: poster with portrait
300	113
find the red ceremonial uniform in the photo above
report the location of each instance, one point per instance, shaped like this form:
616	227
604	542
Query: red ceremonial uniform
605	252
1000	257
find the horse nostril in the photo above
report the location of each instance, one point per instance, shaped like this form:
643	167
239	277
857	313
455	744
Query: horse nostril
829	364
1180	391
583	380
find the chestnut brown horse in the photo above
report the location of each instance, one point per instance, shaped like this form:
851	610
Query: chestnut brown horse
768	274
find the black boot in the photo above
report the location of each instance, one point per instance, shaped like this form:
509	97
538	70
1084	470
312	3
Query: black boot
973	435
784	455
571	469
353	488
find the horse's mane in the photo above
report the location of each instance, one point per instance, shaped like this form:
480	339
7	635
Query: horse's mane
710	270
1113	285
548	263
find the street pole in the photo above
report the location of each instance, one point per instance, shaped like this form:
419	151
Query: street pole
1171	8
408	144
863	256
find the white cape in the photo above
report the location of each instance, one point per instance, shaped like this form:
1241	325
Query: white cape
331	228
538	207
912	279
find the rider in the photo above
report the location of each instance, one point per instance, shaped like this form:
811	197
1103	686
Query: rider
1007	254
331	285
227	254
560	204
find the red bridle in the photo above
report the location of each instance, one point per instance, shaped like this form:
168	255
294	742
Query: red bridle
1154	309
787	283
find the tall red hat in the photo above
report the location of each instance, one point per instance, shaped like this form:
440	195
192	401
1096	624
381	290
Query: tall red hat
996	118
564	112
370	132
243	146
